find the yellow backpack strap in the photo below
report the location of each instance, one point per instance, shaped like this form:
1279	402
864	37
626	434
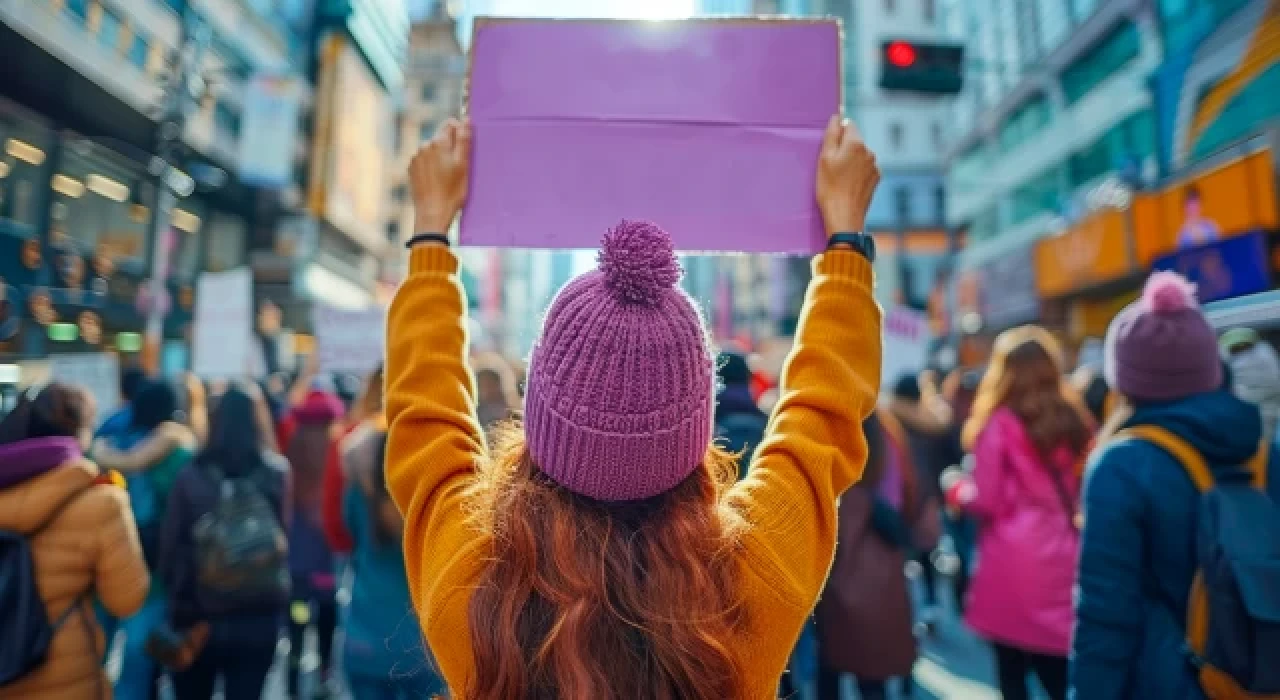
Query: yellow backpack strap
1180	449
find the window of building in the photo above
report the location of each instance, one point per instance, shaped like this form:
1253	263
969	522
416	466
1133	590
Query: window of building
393	231
101	206
1024	123
24	185
109	30
398	193
890	6
902	204
896	135
136	52
1036	196
78	9
1102	61
429	91
428	129
929	8
189	219
935	130
940	204
226	118
985	224
1122	147
226	238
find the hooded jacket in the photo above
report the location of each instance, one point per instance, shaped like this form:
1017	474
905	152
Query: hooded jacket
310	559
1138	550
89	548
1027	544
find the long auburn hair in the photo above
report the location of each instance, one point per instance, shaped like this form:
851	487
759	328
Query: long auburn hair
1025	375
588	600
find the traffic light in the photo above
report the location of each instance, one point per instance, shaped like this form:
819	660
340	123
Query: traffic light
913	66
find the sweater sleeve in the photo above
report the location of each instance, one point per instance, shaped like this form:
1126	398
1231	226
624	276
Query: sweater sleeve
814	448
434	442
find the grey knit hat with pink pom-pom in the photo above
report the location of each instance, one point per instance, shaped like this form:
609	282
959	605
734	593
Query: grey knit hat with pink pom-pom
621	382
1161	347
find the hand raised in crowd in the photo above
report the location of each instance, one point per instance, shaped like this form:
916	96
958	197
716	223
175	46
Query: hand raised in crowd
438	177
847	177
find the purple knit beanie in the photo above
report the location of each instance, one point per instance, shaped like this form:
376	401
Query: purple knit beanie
621	383
1161	347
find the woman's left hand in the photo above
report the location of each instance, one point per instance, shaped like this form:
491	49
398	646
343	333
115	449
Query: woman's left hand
438	177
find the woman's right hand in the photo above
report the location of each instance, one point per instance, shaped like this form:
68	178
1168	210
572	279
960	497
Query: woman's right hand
847	178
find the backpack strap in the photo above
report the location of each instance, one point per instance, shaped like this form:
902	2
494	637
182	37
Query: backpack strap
1177	448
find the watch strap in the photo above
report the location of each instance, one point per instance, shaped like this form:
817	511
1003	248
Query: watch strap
862	243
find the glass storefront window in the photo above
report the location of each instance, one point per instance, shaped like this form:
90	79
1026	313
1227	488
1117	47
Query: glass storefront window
187	227
1102	61
1029	119
22	165
99	205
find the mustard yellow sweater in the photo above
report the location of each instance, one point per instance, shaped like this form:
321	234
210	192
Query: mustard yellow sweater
814	450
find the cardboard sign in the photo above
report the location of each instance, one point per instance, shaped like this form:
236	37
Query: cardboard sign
349	341
906	345
710	128
222	339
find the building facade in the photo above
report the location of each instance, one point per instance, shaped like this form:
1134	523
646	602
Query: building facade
79	124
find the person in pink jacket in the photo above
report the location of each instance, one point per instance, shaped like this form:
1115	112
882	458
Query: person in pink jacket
1028	431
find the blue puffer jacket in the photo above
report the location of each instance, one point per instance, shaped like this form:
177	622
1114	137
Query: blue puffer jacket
1138	550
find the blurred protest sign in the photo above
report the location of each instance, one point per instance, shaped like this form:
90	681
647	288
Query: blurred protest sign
906	345
222	340
710	128
349	341
97	372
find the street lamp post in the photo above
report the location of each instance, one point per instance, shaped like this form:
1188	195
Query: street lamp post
184	88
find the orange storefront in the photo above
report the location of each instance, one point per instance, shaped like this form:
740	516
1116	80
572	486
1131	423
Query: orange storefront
1233	199
1087	273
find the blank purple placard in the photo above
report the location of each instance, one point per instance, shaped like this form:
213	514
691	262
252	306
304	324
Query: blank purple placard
710	128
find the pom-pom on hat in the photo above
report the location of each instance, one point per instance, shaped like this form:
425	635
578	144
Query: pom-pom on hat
622	379
1161	347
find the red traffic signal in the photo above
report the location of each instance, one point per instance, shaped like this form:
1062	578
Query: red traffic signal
900	54
925	67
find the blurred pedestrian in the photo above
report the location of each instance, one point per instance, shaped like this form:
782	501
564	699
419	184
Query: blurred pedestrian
131	380
740	424
1255	372
239	600
496	396
1091	385
603	550
82	544
864	615
924	418
366	414
151	467
1027	431
383	655
1144	529
315	424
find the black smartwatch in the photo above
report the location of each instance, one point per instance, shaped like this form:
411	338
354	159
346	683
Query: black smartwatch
862	243
427	238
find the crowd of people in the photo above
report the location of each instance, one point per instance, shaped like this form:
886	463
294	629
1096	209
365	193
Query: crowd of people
629	516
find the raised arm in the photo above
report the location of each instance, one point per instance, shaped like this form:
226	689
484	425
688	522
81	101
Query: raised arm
814	448
434	437
165	439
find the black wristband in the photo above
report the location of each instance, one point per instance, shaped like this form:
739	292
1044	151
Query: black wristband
427	238
861	243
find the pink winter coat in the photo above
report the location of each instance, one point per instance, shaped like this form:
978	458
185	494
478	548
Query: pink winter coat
1027	545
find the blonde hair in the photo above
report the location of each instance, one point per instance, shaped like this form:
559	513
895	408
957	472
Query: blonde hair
1026	376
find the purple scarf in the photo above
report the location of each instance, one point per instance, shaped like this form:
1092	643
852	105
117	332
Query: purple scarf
25	459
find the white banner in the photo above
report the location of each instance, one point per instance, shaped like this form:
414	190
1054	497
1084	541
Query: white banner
906	345
349	341
269	128
99	373
222	340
